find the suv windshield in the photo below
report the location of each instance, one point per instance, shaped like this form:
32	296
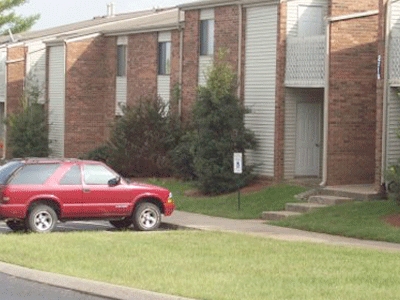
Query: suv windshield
7	169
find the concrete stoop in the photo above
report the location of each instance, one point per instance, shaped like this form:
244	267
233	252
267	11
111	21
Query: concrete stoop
295	209
323	197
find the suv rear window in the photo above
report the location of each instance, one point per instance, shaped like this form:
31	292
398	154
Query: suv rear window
7	169
34	174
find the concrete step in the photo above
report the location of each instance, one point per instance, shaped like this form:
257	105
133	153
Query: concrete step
329	200
303	207
278	215
357	192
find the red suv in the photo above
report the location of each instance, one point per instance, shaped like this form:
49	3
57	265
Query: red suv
36	193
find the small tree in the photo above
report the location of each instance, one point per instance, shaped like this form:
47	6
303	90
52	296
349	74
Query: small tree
28	128
141	140
219	121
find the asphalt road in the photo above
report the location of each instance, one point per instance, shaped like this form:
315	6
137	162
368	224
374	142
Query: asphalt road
77	226
12	288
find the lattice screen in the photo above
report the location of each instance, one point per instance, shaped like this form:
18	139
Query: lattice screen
305	61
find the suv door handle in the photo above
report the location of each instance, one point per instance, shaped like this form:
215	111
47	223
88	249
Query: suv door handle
86	190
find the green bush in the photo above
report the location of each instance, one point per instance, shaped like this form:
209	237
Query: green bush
27	128
219	121
182	156
141	140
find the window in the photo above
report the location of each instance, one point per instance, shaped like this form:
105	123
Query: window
164	58
72	177
97	174
7	169
207	37
34	174
121	60
310	20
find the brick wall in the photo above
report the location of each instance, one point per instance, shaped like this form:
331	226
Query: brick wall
190	61
16	67
226	38
280	93
352	95
175	67
142	67
227	34
90	94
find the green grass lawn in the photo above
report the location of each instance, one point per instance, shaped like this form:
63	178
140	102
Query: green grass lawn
211	265
363	220
252	204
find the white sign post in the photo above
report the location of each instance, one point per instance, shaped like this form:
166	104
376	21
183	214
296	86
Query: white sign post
238	169
237	163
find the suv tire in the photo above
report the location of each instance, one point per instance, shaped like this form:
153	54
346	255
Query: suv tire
16	225
146	217
121	224
42	219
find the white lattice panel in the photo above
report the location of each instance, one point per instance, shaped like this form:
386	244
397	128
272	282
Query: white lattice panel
394	59
305	61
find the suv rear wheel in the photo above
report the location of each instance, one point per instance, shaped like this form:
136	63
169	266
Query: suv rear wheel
42	219
146	217
16	225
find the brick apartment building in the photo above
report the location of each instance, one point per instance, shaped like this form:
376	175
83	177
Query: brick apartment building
307	69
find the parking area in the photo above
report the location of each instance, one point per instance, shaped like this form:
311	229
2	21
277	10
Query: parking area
84	226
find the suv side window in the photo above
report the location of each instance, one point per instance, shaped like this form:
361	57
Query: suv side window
97	174
34	174
72	177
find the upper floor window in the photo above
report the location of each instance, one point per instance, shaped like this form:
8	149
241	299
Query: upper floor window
207	37
164	58
121	60
310	20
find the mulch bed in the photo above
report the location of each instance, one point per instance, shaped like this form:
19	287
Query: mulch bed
393	220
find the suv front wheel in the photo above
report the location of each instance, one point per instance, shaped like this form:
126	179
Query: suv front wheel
42	219
147	217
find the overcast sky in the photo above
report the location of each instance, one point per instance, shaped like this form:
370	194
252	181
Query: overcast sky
59	12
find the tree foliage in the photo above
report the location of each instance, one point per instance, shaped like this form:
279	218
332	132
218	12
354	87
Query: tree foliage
220	128
28	128
141	140
10	20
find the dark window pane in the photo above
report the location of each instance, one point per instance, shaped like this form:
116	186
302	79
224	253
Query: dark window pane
164	58
121	60
72	177
34	174
207	37
7	169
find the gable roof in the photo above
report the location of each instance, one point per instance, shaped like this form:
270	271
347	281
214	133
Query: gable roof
148	20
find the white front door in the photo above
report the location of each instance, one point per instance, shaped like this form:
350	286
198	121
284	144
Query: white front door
308	139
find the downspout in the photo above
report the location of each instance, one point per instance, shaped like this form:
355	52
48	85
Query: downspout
240	44
326	105
385	89
5	106
180	80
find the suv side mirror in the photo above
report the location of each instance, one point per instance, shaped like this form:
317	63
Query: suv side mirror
114	181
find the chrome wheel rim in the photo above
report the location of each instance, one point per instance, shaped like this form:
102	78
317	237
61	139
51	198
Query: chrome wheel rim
148	218
43	221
